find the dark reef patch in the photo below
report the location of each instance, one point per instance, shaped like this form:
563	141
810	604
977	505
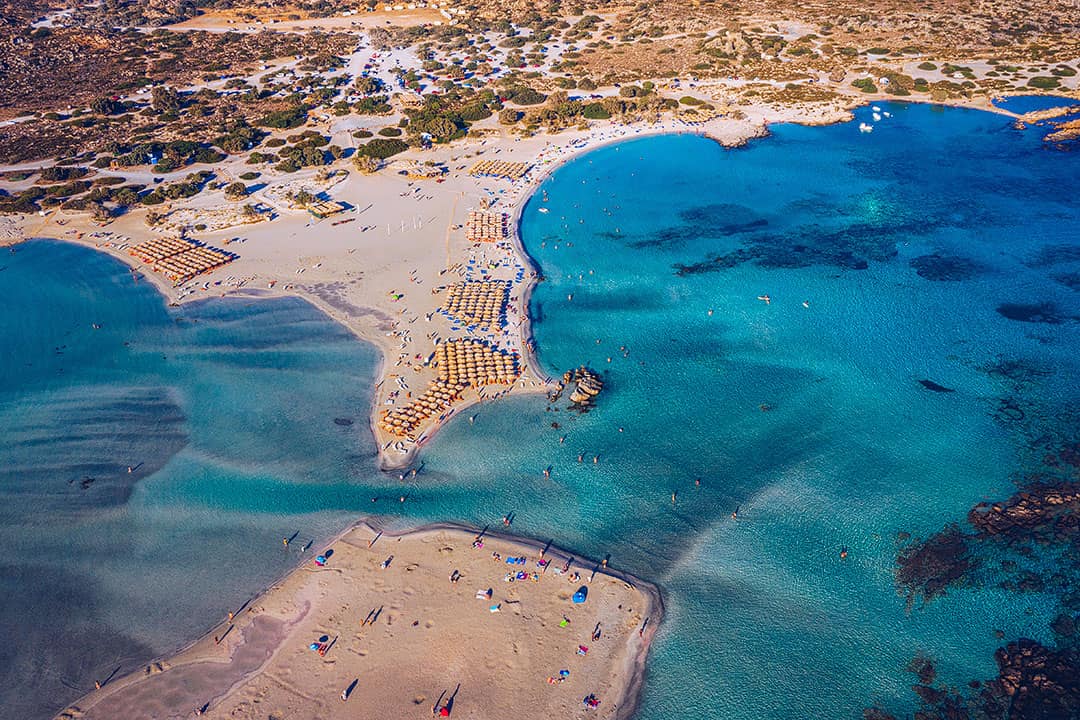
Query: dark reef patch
1017	373
945	268
1055	255
931	385
1034	682
927	568
851	248
1038	513
1046	312
1069	280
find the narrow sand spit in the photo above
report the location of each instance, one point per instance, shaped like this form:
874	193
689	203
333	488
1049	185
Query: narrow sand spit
427	639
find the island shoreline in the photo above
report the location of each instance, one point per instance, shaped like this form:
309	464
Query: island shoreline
628	703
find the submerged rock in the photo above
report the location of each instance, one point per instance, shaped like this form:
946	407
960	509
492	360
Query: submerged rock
1046	312
931	385
926	569
945	268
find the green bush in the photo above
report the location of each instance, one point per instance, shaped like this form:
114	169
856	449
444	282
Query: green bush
595	111
865	84
383	148
527	96
390	132
285	119
1044	82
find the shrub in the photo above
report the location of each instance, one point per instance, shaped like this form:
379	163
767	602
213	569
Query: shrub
527	96
390	132
285	119
1044	82
60	174
383	148
865	84
236	191
595	111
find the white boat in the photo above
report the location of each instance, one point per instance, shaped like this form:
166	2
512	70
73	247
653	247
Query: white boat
863	127
543	210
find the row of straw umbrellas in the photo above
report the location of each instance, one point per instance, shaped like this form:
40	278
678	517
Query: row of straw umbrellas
436	400
500	169
478	302
485	226
474	362
160	248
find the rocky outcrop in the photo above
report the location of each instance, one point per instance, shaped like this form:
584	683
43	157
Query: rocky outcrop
583	384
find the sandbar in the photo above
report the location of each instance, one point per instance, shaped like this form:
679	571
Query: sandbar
402	640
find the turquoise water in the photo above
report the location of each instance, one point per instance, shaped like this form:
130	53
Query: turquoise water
1021	104
935	248
219	393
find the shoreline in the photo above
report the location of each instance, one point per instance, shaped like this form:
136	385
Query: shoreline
632	670
727	131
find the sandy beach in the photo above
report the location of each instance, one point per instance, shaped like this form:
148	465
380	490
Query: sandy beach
383	266
405	625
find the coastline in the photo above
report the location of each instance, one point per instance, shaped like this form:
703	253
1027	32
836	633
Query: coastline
519	245
629	675
371	320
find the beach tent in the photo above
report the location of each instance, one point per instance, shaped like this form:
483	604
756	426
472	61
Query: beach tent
580	595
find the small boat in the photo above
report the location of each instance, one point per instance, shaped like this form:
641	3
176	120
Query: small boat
866	128
543	210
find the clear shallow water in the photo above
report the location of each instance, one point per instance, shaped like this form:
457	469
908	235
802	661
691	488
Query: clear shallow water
110	575
1030	103
764	619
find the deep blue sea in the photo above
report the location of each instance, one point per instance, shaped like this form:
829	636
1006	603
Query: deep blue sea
944	246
